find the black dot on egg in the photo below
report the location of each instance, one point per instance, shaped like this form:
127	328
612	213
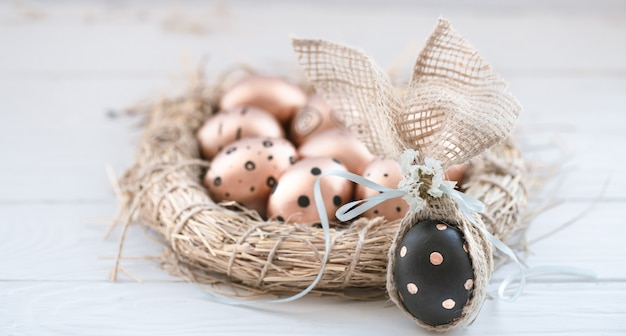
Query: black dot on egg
316	171
398	209
303	201
227	194
386	175
217	181
270	182
270	157
249	165
267	143
252	189
292	159
238	134
337	200
376	212
280	218
336	161
244	110
230	150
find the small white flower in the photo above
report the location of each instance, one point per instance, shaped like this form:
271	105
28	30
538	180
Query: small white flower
406	161
416	203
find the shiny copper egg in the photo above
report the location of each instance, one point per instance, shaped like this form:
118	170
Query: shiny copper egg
314	117
246	171
234	124
341	145
385	172
292	199
273	94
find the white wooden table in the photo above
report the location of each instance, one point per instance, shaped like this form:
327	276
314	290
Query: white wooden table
64	66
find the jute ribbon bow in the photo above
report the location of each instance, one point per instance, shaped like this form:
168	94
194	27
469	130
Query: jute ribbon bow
453	109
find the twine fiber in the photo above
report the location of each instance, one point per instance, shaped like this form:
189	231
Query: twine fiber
454	108
213	243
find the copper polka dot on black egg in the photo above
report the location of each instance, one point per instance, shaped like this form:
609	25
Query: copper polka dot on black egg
433	261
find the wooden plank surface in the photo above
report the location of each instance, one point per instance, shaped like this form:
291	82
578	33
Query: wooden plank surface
65	66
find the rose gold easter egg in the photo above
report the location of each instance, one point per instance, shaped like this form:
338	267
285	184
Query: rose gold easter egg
292	199
456	173
230	125
273	94
314	117
341	145
247	170
385	172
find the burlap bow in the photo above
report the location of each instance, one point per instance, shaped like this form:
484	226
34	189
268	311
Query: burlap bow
454	108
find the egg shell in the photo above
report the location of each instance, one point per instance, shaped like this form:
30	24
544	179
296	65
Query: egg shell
247	170
273	94
292	199
230	125
314	117
385	172
433	272
456	173
341	145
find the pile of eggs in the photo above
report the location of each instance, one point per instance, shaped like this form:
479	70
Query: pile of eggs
270	142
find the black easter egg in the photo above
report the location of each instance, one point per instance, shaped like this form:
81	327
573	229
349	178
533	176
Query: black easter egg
433	272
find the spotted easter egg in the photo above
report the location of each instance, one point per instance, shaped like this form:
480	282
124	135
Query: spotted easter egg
339	144
385	172
247	170
230	125
293	200
433	272
314	117
273	94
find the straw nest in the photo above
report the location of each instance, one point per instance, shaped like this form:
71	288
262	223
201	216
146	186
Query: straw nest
211	243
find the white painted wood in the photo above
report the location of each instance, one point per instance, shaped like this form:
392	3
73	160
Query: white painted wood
63	65
100	308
